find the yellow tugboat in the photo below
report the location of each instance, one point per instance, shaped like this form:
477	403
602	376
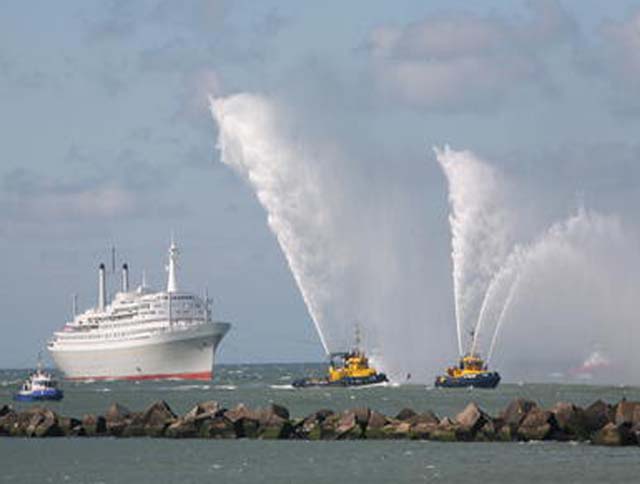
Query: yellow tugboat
470	372
346	369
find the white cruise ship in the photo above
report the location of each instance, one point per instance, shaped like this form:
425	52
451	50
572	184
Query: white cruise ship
140	334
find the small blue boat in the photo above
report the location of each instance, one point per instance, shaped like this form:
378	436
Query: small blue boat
38	387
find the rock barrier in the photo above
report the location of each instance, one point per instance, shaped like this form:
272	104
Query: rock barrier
522	420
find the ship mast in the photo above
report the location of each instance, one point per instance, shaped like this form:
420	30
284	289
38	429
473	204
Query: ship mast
357	338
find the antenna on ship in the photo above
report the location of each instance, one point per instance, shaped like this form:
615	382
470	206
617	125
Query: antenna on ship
113	259
207	303
74	304
357	337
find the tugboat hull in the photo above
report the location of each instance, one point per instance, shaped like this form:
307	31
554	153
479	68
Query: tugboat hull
344	382
483	380
39	396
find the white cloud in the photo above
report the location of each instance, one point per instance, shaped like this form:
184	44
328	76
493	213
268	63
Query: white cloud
465	61
100	202
619	61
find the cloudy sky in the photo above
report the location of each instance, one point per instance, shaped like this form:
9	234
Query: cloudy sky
107	138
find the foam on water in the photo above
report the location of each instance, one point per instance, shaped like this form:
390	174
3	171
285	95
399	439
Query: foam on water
225	387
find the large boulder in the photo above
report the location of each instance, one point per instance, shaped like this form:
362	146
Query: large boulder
397	430
627	412
189	425
117	418
406	414
423	425
273	412
247	427
183	429
423	430
539	424
94	425
447	431
598	414
71	427
7	420
362	415
204	410
37	422
241	411
376	420
375	428
472	419
516	412
348	427
274	423
614	435
245	420
427	417
311	426
487	433
218	428
117	411
572	421
156	418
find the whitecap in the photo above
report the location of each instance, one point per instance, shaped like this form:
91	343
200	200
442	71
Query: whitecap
281	387
225	387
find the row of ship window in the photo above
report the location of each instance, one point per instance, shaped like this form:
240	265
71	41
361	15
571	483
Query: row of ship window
146	327
121	335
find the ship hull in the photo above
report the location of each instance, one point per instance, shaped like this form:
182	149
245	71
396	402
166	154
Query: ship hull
187	353
484	380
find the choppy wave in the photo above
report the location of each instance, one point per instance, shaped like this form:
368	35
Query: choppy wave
281	387
225	387
10	383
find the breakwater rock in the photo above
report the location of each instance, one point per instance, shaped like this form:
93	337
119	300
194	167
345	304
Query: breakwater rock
522	420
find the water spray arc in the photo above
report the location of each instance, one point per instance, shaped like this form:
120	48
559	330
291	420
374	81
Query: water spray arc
480	237
249	144
492	270
346	224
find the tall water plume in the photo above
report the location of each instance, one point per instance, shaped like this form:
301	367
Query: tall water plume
550	306
348	230
287	188
480	233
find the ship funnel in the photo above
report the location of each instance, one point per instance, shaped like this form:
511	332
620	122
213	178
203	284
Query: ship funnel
125	278
172	284
102	288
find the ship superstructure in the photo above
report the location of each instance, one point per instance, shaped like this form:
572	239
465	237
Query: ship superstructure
140	334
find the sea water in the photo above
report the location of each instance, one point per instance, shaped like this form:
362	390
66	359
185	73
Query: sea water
249	461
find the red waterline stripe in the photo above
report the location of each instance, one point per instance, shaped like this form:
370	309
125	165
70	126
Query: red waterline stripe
204	376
